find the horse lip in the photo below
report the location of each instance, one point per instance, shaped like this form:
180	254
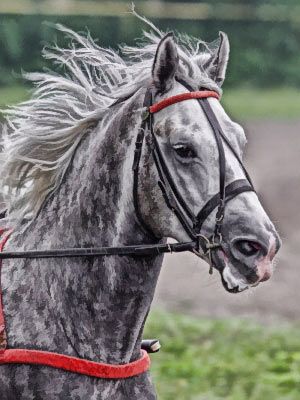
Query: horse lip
235	289
218	259
219	263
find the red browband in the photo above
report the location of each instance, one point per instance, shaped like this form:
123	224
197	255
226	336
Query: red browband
61	361
200	94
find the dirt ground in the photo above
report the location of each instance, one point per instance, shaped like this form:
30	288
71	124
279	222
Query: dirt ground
273	157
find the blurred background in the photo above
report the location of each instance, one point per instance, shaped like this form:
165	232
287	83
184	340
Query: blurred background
215	345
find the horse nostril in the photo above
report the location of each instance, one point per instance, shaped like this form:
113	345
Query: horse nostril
248	248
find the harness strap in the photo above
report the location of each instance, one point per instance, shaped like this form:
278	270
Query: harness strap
135	167
77	365
168	188
165	174
237	157
135	250
222	161
61	361
199	94
232	190
218	129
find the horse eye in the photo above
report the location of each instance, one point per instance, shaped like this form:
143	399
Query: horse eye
184	151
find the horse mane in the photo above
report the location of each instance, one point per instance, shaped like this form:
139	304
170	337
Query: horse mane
40	136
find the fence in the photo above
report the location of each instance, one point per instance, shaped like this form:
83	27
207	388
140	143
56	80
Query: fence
265	38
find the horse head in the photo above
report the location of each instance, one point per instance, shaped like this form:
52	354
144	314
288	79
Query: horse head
187	143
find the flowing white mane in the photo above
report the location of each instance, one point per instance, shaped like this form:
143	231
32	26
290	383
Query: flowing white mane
40	136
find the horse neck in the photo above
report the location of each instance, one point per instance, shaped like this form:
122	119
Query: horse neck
101	303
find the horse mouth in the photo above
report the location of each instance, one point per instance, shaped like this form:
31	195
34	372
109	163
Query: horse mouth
234	289
231	283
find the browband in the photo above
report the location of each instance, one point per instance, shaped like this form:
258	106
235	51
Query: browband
199	94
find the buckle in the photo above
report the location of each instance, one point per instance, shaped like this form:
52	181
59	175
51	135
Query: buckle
209	245
200	247
220	212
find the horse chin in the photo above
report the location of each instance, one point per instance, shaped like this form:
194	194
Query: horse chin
233	282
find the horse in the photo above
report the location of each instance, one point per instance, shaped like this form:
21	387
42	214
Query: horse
67	169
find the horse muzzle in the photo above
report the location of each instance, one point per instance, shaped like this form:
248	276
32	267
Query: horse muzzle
247	261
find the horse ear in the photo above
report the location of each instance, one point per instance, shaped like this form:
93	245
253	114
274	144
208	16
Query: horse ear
215	64
165	63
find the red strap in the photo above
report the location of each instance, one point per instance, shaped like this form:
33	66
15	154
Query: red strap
77	365
61	361
200	94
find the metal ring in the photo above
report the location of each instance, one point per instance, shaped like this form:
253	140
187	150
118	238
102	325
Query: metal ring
207	243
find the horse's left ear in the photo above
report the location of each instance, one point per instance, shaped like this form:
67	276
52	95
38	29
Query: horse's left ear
216	64
165	63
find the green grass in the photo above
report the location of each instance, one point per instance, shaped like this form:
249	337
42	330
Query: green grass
280	103
205	359
241	103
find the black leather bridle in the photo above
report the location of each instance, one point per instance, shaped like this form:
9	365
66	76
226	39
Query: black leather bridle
192	224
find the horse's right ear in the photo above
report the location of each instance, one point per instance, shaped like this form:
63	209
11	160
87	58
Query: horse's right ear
165	63
215	63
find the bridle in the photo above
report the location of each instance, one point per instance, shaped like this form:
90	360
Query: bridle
199	244
192	224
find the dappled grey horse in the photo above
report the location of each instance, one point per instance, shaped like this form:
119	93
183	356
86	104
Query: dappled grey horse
66	169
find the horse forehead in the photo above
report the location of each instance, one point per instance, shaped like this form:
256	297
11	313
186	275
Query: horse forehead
183	116
172	127
190	112
188	116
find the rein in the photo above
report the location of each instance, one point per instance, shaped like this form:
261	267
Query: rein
192	224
